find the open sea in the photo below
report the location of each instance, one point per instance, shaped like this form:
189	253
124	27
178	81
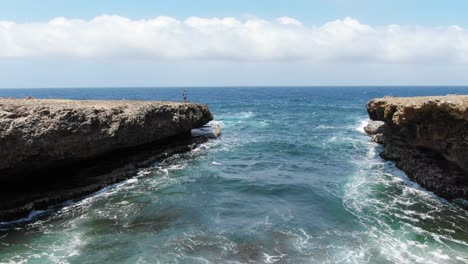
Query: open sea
293	179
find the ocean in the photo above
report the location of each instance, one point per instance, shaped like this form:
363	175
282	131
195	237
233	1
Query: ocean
293	179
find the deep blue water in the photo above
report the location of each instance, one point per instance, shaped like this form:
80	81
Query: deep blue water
292	180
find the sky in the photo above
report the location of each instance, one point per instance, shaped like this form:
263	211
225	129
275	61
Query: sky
141	43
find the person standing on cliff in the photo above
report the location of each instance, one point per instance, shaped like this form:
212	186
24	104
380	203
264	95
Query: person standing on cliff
184	94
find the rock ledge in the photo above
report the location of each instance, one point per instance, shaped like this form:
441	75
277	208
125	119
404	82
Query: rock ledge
55	150
427	137
36	134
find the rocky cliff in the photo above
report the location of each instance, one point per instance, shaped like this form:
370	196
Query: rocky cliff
54	150
39	133
427	137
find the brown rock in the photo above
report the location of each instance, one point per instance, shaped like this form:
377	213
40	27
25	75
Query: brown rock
428	139
36	134
52	151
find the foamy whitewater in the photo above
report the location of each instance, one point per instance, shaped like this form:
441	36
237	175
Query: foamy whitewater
293	179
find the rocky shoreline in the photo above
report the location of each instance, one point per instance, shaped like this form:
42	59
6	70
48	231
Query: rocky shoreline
52	151
427	138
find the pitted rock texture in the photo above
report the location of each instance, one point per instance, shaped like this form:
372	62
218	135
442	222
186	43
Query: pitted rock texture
427	137
37	133
53	151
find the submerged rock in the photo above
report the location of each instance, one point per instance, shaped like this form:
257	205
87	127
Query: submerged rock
427	137
55	150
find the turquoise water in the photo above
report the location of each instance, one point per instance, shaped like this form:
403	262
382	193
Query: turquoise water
292	180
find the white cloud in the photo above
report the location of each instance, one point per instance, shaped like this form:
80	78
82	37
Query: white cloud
233	39
289	21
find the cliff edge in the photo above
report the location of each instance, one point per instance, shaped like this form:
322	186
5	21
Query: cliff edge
427	137
55	150
37	133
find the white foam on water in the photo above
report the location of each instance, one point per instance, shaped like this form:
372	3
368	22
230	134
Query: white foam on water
274	258
361	125
54	252
399	217
235	117
331	246
246	115
166	166
379	196
326	127
133	180
32	215
264	123
65	223
188	246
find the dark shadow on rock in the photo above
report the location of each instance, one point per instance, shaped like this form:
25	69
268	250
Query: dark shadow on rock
41	189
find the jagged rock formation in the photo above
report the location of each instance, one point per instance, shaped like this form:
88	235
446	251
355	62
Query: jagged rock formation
55	150
36	134
427	137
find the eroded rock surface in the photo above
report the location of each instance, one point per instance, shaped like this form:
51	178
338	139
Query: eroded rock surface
427	137
55	150
211	131
35	133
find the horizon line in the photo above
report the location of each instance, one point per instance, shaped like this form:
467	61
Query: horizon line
238	86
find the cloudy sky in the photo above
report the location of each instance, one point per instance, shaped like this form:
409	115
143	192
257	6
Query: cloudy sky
106	43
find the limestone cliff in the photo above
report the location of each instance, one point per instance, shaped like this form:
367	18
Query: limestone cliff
55	150
427	137
36	133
